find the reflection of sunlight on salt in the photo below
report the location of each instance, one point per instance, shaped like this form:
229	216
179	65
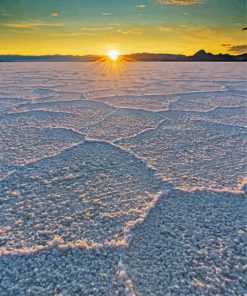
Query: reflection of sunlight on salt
113	67
114	70
112	64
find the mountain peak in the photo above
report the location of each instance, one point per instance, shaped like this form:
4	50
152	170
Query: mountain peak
201	51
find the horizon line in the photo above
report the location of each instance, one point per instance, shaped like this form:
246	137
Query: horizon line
103	55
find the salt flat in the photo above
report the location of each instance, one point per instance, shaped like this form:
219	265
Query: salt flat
128	183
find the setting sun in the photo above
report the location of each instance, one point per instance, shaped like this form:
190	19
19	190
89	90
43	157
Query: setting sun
113	54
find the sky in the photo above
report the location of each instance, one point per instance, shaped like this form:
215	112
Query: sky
79	27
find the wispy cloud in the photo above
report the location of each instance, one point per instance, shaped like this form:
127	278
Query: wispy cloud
25	25
244	29
183	29
141	6
165	29
181	2
114	24
88	30
98	28
238	48
188	32
5	13
54	13
71	34
106	13
132	31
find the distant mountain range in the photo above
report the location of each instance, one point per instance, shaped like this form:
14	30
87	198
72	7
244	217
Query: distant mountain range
200	56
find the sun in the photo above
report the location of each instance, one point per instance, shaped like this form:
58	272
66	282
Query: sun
113	54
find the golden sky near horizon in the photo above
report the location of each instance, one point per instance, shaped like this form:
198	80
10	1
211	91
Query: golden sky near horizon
94	27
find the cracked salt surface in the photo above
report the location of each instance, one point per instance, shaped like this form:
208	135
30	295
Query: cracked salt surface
191	244
123	185
90	193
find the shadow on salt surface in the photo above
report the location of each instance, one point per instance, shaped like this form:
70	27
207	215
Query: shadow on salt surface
60	272
191	243
88	195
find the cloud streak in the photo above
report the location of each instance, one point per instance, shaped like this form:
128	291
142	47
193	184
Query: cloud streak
28	25
141	6
98	28
181	2
132	31
238	48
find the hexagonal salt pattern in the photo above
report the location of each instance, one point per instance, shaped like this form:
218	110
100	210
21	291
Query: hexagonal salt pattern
194	153
89	194
81	210
190	244
20	145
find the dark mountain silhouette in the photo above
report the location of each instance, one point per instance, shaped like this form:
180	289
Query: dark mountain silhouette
48	58
154	57
200	56
203	56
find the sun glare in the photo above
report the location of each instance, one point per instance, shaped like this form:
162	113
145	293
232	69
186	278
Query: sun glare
113	54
